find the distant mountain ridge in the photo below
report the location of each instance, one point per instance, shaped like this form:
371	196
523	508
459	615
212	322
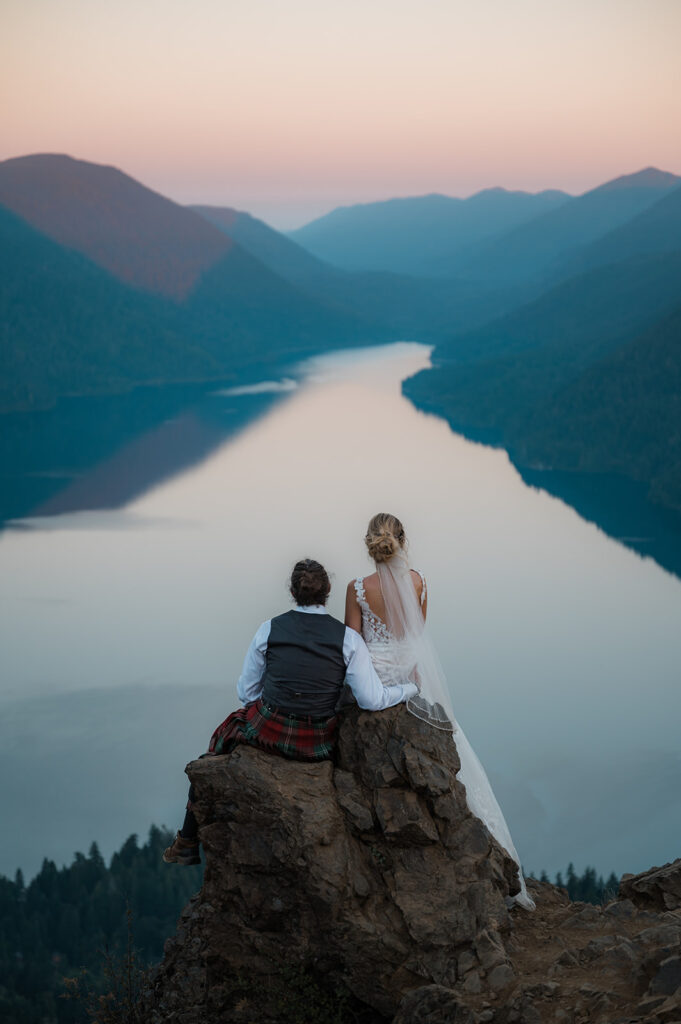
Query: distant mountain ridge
412	306
106	284
649	177
656	229
139	236
542	249
494	237
413	235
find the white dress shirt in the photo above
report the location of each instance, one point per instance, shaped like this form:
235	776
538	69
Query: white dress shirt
361	677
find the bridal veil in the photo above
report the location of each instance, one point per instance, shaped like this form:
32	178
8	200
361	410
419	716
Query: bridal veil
418	662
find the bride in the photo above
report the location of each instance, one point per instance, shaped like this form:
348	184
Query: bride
389	609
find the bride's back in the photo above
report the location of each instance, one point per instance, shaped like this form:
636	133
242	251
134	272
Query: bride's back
365	609
374	594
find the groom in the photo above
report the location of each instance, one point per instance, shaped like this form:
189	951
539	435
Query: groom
291	682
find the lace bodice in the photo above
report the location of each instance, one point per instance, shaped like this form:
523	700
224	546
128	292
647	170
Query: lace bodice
374	629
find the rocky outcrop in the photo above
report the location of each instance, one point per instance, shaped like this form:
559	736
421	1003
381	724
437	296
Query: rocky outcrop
659	888
364	890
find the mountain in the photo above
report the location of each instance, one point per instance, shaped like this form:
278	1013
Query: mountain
69	327
622	415
107	284
486	382
271	247
657	229
585	315
418	235
541	249
134	233
424	308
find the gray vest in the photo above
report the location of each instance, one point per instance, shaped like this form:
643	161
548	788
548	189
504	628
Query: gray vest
304	665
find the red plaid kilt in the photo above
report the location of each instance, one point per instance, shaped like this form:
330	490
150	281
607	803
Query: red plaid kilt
297	736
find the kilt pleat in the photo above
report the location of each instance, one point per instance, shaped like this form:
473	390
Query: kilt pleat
300	737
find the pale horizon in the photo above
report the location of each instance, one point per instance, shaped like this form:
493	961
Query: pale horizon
290	110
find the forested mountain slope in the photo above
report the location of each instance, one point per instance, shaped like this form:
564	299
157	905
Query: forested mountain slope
586	377
656	230
621	415
106	284
69	327
133	232
415	307
540	249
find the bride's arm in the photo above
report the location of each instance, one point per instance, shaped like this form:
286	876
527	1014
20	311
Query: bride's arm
353	613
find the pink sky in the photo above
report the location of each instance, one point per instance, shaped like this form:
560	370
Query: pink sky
287	108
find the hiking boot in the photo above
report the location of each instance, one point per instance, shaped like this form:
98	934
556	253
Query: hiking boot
183	851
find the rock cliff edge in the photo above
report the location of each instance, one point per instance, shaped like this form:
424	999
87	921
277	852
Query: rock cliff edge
364	890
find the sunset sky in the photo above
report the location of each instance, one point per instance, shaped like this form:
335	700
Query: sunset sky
287	108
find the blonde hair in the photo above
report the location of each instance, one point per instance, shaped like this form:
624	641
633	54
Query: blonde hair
384	537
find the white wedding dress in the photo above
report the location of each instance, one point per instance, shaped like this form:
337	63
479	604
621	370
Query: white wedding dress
404	653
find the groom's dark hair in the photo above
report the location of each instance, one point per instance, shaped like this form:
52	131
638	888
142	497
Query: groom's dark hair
309	582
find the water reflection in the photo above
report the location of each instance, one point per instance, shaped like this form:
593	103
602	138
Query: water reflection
561	646
620	508
98	453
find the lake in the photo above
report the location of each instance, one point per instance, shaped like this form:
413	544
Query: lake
137	561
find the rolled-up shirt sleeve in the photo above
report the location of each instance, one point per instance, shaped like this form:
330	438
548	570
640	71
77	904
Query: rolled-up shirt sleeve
249	687
361	677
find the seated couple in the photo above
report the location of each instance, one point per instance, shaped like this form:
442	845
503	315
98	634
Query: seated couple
298	664
292	678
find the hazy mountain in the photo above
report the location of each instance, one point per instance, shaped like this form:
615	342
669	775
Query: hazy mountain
271	247
557	380
107	284
418	235
542	248
69	327
131	231
657	229
622	415
423	308
488	380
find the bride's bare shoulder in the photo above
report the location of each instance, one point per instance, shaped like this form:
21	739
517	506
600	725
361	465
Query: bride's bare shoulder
361	582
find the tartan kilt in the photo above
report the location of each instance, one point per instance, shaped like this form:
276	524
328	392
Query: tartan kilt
301	737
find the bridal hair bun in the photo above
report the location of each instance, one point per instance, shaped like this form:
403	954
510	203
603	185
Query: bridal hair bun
384	537
309	583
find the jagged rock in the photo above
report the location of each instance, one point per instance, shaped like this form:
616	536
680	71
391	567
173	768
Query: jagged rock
649	1004
589	916
432	1004
472	983
658	888
500	978
667	980
466	962
490	949
365	885
620	908
369	873
568	958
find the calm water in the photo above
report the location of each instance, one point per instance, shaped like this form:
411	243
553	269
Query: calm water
124	627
